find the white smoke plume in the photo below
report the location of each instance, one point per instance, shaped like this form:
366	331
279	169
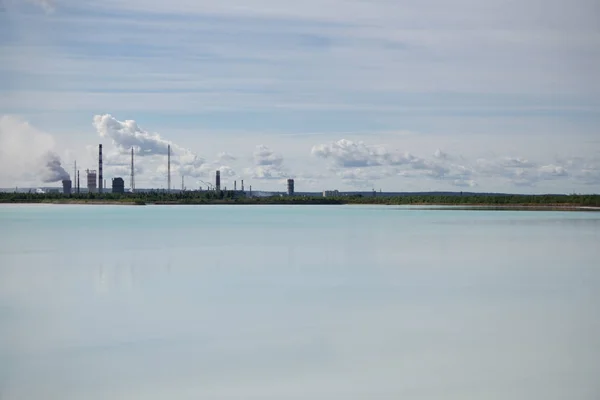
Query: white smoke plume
127	134
22	147
52	170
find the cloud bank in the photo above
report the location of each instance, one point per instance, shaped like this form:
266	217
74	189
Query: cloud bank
361	165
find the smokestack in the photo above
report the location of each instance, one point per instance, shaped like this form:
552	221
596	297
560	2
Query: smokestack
218	181
234	186
132	173
77	181
169	168
242	185
100	168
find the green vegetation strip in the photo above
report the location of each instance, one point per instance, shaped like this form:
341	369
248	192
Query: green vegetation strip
230	197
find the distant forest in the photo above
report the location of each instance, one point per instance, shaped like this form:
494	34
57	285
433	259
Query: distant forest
231	197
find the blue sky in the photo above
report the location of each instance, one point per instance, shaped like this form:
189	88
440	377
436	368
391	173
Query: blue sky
339	94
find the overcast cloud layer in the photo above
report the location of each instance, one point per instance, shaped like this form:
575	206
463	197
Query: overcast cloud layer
493	96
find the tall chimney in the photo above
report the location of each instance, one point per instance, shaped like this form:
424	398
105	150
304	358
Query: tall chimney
100	169
234	186
242	185
132	173
218	181
77	181
169	168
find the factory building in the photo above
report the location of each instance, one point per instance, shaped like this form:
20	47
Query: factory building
100	181
91	180
118	185
67	186
331	193
290	187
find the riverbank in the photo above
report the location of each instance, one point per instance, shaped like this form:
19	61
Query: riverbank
424	205
468	201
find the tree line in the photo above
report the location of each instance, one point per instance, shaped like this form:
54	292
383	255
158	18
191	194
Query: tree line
231	197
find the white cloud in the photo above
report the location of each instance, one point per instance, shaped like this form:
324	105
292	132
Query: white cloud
551	171
362	158
264	172
346	153
362	165
521	172
225	157
267	164
264	156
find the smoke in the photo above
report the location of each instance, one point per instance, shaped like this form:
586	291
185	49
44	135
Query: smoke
19	138
52	168
127	134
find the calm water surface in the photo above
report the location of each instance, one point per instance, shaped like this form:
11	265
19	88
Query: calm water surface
298	302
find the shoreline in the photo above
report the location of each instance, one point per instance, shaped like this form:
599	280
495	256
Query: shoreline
420	205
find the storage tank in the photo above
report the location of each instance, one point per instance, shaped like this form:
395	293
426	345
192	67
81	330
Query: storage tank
67	186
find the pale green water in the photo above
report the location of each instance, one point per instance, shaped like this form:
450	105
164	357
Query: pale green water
297	302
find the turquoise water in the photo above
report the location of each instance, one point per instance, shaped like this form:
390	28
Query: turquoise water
297	302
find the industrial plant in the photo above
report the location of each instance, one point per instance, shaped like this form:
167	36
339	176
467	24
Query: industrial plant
95	182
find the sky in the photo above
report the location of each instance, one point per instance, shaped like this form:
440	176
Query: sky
388	95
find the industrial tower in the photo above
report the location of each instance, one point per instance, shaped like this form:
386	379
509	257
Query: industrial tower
100	168
132	173
169	168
